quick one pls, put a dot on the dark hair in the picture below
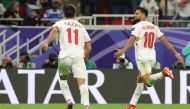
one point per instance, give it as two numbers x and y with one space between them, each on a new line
143 10
69 11
52 57
11 4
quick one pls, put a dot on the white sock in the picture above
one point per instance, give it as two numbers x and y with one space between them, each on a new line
155 77
66 91
137 93
84 94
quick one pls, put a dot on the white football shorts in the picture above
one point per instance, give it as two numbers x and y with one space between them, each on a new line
75 65
145 66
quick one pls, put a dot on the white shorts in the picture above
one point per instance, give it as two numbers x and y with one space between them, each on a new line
75 65
145 66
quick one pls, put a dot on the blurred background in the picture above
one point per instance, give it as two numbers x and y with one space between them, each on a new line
24 25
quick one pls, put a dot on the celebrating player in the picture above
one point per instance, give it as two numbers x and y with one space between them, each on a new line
75 47
143 36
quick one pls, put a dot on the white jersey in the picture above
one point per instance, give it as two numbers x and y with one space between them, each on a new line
72 38
146 34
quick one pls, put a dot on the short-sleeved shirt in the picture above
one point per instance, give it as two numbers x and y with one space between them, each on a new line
146 34
72 38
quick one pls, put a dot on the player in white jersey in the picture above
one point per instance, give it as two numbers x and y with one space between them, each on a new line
143 37
75 47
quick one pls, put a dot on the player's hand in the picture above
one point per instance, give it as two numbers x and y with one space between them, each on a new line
45 46
179 58
119 52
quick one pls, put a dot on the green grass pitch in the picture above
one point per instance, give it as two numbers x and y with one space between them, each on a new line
94 106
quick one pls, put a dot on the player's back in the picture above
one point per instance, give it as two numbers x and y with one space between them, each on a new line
72 38
146 34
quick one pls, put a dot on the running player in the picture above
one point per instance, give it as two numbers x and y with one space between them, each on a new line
75 47
143 37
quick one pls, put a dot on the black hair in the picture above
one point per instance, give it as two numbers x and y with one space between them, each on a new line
69 11
143 10
52 57
11 4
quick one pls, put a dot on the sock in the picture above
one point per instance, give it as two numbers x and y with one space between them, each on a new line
66 91
137 93
155 77
84 94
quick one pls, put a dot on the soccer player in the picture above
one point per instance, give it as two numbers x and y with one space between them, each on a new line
75 47
143 36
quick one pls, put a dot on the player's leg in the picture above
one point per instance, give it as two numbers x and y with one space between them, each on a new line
137 93
158 76
64 69
79 71
151 79
83 92
144 68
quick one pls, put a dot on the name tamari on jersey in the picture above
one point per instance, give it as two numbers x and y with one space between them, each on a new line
146 34
72 38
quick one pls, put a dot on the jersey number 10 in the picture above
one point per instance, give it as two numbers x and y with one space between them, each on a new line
69 30
149 39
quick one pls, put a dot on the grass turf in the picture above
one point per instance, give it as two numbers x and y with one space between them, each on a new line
93 106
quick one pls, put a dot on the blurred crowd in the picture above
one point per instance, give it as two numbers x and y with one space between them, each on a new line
33 10
26 62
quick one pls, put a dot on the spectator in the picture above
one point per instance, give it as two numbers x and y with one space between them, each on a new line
86 7
51 61
151 6
46 4
2 9
183 7
54 13
76 3
22 8
122 63
186 54
7 62
33 20
169 10
90 64
33 5
12 12
102 7
25 61
121 6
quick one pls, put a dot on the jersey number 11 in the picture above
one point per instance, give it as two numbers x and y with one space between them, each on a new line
69 31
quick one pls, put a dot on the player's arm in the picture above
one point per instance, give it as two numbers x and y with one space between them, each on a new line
52 33
170 47
88 49
129 43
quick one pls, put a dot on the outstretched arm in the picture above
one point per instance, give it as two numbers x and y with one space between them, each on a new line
50 37
126 47
167 44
